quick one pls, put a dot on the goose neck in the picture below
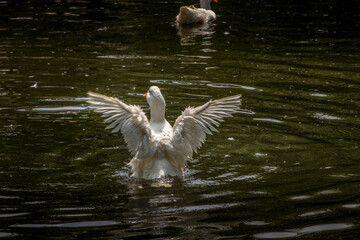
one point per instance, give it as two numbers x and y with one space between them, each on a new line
157 114
205 4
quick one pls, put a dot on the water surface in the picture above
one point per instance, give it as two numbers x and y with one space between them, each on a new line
286 166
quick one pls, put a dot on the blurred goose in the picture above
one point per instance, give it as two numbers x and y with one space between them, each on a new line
193 15
158 148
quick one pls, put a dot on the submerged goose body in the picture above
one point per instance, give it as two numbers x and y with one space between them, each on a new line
193 15
158 148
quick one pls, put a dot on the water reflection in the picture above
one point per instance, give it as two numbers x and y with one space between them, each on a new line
188 33
164 206
151 195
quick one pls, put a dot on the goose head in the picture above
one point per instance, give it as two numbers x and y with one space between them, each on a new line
157 103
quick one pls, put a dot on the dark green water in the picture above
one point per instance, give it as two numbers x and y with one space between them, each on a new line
287 166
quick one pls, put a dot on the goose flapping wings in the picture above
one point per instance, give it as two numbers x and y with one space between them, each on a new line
193 124
129 119
158 149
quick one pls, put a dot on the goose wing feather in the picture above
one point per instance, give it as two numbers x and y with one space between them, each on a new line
191 127
129 119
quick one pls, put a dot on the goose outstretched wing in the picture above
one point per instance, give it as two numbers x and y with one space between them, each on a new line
191 127
129 119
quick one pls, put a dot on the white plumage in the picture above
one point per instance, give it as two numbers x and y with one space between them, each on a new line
158 149
193 15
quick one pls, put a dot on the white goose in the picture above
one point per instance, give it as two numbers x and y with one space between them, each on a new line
158 149
193 15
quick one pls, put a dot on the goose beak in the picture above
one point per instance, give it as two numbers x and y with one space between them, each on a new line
145 95
215 1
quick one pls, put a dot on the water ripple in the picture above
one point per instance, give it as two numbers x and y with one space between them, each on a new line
9 215
351 205
302 197
318 95
170 82
232 85
303 231
256 223
313 213
55 109
324 116
128 57
250 177
200 207
268 120
67 225
7 235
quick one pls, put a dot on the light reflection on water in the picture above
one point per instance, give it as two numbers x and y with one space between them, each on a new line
285 166
303 231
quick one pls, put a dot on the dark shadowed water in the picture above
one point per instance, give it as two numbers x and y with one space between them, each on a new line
286 166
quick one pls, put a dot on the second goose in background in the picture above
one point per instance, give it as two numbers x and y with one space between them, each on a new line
193 15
